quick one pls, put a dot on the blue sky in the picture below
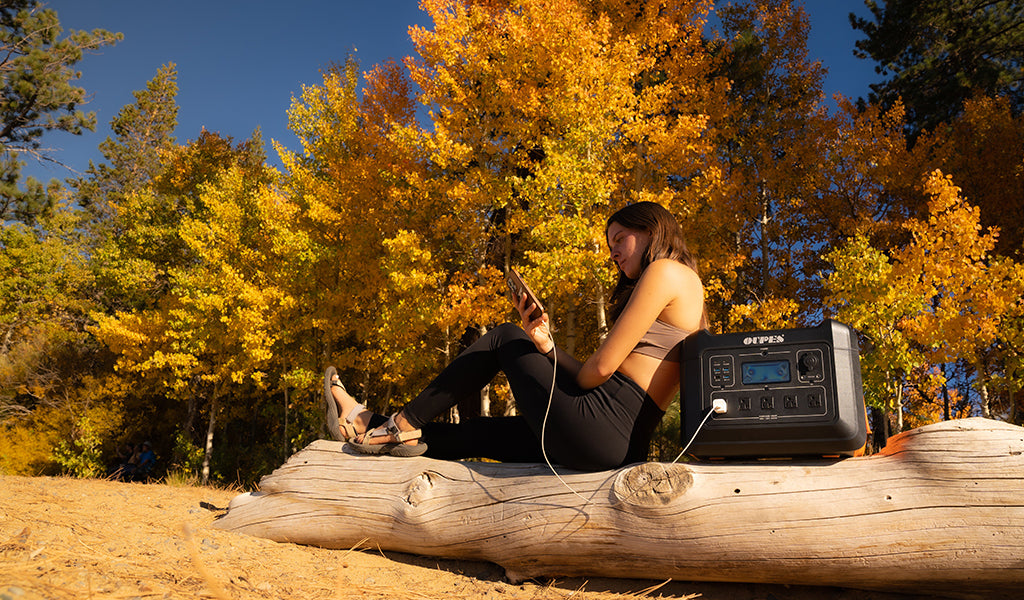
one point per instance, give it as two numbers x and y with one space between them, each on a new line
240 62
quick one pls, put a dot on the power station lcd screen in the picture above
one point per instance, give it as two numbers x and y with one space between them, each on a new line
772 371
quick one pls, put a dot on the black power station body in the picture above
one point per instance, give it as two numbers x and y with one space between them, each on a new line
789 392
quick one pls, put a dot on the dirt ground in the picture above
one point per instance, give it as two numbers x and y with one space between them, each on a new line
74 538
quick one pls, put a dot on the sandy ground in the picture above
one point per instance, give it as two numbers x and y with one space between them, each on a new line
75 538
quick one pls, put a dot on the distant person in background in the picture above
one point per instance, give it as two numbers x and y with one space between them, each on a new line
146 461
125 464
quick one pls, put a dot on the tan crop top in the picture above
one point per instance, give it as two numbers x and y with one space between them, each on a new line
661 341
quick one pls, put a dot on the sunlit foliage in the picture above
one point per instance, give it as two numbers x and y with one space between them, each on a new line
190 293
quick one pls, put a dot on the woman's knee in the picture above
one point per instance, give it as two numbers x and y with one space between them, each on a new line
509 330
505 333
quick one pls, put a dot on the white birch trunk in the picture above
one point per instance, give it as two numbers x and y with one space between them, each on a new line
208 445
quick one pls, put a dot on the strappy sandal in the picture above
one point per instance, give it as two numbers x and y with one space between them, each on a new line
398 447
340 429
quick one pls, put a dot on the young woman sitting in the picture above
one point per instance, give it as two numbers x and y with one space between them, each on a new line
603 410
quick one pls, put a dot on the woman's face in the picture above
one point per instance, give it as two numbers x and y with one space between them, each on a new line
627 248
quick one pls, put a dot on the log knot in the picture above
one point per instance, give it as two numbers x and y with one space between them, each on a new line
419 489
652 484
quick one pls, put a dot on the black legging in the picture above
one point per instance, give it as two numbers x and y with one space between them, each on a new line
593 430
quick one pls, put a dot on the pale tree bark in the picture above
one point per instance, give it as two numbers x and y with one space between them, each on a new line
764 220
899 408
938 511
208 444
485 393
601 311
210 428
983 398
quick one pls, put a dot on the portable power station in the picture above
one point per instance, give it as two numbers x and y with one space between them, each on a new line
789 392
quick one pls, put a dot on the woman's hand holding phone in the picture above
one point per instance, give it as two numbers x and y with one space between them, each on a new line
535 320
535 327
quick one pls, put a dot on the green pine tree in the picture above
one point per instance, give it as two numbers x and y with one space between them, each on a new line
37 96
129 224
938 53
142 132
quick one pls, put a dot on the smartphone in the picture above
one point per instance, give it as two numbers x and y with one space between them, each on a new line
517 287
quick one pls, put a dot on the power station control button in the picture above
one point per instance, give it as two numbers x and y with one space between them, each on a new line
810 365
722 372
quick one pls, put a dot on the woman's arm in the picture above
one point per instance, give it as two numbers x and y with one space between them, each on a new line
567 362
662 283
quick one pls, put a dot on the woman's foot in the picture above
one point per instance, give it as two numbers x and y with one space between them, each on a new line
397 437
383 435
346 418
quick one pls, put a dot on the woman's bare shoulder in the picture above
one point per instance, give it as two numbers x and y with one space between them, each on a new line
680 288
666 270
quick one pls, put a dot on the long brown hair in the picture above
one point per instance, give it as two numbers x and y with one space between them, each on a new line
666 242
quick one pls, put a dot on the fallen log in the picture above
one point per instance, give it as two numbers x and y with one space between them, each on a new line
940 510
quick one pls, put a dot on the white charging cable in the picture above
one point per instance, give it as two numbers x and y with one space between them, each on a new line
718 406
544 423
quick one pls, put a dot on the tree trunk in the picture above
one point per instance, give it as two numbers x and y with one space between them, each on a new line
945 395
208 446
602 314
485 392
939 511
899 409
190 418
286 421
983 398
764 220
879 429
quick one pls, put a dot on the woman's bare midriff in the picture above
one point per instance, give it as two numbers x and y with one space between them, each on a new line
659 377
